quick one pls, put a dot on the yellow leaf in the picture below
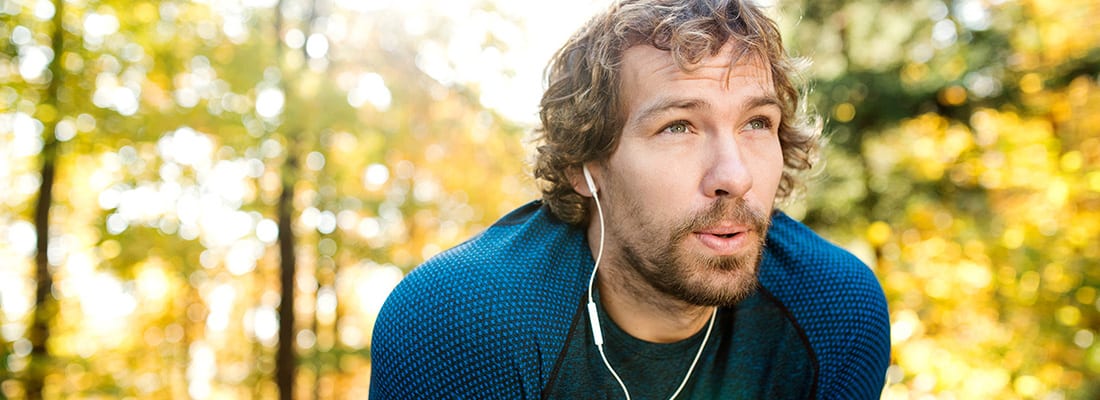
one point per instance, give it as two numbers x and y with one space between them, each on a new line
878 233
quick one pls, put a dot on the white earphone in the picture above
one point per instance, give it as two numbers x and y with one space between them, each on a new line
593 317
597 333
588 179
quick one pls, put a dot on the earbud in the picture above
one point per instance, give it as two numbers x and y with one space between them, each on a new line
588 179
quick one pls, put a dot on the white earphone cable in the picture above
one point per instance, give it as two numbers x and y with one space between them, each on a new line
706 337
596 331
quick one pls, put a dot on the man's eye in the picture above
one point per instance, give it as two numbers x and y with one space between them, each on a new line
676 128
757 124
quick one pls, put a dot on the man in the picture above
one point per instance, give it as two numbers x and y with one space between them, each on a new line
654 266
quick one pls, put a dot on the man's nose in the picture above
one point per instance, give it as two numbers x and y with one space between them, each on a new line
727 171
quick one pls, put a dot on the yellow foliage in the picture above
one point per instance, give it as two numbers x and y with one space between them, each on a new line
46 113
1027 385
1041 179
986 229
1085 295
878 233
844 112
1068 316
1031 83
953 96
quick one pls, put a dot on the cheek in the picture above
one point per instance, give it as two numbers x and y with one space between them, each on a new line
644 189
775 164
659 180
769 171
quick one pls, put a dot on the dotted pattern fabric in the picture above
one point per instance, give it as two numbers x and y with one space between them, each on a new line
489 318
837 301
486 319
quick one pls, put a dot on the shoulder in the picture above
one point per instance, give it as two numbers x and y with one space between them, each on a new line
520 259
473 319
796 256
837 301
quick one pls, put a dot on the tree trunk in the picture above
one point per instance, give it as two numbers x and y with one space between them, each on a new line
285 358
285 362
45 305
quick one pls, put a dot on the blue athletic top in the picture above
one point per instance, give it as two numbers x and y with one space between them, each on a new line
502 316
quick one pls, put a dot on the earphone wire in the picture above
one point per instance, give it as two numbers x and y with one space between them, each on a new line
598 336
591 301
706 337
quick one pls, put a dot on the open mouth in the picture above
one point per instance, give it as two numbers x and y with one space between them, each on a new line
723 242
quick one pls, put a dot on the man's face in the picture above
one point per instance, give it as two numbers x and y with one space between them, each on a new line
689 191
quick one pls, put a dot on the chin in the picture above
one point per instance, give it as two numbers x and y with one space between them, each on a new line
714 281
728 296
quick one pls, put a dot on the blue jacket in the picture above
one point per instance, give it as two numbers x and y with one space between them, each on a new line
491 318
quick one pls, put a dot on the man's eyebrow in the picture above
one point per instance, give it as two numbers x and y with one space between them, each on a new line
762 101
654 110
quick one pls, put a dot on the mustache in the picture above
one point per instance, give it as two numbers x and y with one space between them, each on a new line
725 209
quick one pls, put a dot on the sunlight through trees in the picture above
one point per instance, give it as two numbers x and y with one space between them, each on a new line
172 147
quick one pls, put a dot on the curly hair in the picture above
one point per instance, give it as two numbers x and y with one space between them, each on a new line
580 110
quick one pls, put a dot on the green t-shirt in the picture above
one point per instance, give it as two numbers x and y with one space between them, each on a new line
754 352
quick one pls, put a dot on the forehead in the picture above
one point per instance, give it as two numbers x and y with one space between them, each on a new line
645 66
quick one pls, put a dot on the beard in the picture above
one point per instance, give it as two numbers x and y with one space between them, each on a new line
698 279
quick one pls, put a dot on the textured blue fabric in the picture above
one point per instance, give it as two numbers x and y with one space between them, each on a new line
489 318
839 304
486 319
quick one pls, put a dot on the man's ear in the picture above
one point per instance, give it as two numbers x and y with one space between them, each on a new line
576 179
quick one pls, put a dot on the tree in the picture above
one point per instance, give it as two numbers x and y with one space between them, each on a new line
286 360
45 307
959 163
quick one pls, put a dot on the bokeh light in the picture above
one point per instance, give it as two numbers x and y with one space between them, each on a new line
190 140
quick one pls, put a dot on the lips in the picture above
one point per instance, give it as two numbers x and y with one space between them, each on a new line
725 240
727 231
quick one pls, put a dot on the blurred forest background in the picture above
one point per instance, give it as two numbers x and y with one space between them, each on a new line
175 175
